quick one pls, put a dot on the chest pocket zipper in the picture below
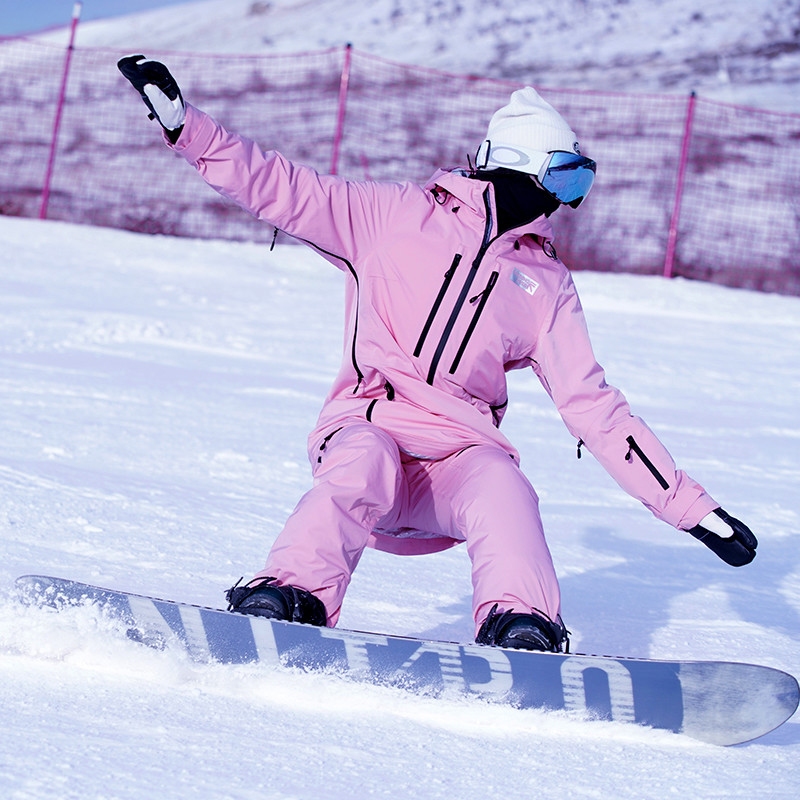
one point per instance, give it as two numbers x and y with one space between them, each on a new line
484 297
448 277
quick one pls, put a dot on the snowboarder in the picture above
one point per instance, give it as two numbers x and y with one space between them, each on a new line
448 286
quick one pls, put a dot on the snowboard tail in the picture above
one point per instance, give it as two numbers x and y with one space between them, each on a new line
719 702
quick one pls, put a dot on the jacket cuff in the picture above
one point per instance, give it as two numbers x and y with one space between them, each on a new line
695 512
196 137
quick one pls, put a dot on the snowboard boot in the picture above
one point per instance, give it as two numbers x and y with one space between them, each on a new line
267 599
523 632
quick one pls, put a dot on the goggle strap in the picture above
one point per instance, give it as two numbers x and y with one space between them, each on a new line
488 145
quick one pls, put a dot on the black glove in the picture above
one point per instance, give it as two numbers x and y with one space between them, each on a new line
158 90
724 535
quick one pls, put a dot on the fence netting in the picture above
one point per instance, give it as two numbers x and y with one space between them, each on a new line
735 213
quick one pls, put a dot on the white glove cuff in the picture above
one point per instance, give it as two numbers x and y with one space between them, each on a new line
171 113
711 522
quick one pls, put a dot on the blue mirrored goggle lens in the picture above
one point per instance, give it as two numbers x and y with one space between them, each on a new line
569 177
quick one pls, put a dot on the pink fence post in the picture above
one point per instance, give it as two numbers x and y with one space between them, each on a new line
76 14
339 132
672 239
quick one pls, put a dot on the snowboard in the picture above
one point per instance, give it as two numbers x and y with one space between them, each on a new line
719 702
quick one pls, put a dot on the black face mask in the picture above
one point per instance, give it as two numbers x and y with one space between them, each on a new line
519 200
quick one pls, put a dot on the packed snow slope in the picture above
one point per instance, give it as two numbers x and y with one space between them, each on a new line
736 51
155 395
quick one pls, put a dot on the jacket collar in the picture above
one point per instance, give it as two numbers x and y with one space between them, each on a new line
469 191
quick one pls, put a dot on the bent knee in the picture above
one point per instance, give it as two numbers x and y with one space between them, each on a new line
491 472
361 454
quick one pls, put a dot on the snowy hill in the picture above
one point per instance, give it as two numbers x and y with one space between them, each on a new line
155 398
740 51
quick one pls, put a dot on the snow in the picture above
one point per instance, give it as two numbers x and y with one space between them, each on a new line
155 398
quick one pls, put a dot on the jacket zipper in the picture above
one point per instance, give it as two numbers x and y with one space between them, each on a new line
448 277
389 389
484 296
496 412
351 268
462 297
325 443
633 446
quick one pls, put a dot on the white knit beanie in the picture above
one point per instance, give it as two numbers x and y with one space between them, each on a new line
523 132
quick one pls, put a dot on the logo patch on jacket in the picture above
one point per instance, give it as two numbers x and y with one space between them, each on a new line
524 282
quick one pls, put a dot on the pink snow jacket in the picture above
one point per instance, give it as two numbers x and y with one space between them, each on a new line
438 308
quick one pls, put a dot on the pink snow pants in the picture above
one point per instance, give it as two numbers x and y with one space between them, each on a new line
478 496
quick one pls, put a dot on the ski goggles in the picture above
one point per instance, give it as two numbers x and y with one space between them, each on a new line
567 176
